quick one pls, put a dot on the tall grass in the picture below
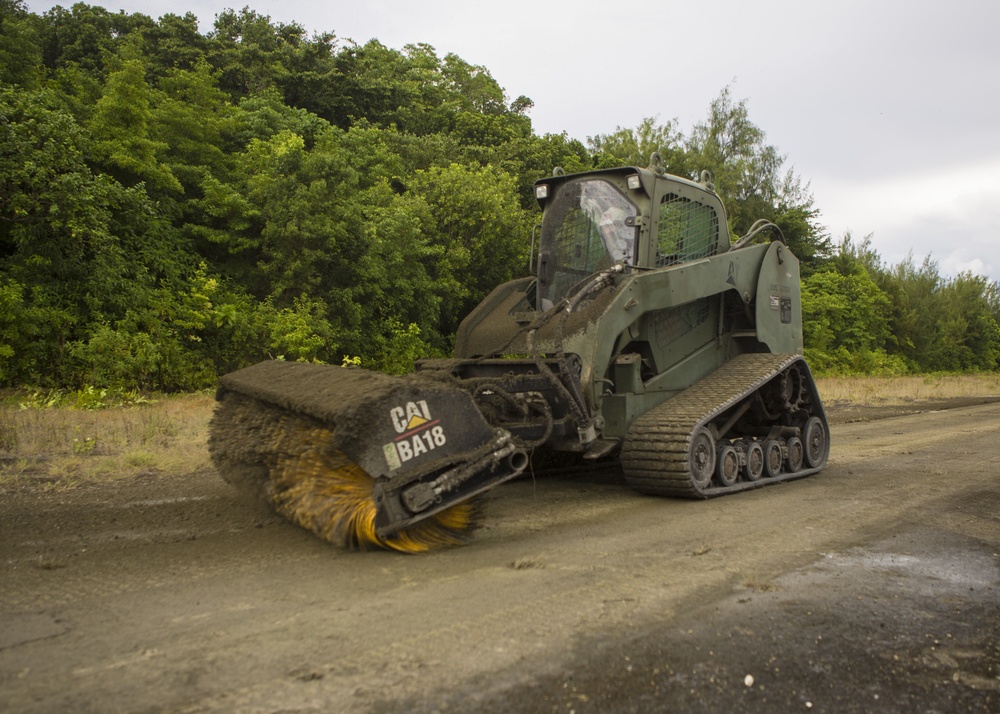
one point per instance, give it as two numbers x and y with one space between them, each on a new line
889 391
54 447
60 446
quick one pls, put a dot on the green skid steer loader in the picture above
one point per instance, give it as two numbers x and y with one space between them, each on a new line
645 334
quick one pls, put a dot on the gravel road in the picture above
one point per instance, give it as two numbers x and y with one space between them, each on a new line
873 586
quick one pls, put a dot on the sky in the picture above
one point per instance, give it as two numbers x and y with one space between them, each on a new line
888 109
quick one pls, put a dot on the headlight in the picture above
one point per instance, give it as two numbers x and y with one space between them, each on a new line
542 191
633 182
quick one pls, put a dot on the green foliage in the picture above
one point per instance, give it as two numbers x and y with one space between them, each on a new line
85 36
748 172
176 205
39 399
943 324
116 357
845 321
264 114
20 50
174 44
12 325
119 128
401 284
195 123
843 362
300 332
848 311
88 398
861 316
250 52
54 219
636 146
483 232
403 347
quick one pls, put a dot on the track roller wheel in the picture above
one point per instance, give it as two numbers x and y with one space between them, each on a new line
795 454
772 458
727 465
754 467
814 437
701 458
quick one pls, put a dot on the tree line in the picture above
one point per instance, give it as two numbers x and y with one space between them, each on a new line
177 204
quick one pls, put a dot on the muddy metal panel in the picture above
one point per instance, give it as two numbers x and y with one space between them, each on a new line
673 313
779 301
386 425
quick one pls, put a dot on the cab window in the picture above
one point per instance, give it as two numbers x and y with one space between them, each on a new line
589 226
687 230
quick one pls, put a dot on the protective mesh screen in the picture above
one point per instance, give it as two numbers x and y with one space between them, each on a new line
687 230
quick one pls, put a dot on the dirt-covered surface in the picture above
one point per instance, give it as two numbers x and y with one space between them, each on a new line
871 587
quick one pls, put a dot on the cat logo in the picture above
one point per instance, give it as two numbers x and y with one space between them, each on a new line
418 433
413 416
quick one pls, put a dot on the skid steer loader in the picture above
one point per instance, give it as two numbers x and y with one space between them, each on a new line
644 335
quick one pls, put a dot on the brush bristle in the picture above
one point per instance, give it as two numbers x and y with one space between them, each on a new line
332 496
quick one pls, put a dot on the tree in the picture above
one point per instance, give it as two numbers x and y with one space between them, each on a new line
635 147
86 36
77 247
484 234
193 126
120 128
748 175
250 54
916 313
943 325
174 43
20 52
969 325
174 205
397 285
533 157
846 315
304 228
746 171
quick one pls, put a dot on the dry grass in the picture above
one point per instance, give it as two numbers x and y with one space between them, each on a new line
888 391
61 447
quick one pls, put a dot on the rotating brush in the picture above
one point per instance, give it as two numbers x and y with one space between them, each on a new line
291 465
323 491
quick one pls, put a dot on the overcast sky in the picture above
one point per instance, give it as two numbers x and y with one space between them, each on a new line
888 108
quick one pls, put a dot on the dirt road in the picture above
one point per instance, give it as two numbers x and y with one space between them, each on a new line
874 586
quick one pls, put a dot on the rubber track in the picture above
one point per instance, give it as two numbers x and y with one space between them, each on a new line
655 453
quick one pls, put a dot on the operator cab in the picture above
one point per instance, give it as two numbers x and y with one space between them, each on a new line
589 224
592 221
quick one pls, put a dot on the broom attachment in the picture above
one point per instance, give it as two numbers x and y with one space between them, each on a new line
361 459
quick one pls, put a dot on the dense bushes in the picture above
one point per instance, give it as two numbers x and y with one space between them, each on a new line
861 315
175 205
